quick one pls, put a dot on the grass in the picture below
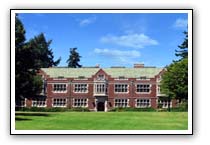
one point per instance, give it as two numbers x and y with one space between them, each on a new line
101 121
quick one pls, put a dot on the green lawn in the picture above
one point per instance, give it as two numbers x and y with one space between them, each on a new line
101 121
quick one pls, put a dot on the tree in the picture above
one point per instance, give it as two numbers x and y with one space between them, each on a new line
27 84
74 58
42 53
183 52
175 80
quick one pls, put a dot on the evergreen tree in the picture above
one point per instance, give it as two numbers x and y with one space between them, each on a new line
27 84
43 55
183 52
175 80
74 58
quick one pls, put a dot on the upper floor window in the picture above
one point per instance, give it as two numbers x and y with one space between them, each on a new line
158 89
159 79
100 77
122 88
80 88
143 88
59 87
100 88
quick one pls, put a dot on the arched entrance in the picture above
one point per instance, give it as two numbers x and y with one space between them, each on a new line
100 106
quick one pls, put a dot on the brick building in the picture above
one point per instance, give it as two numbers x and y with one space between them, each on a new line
100 89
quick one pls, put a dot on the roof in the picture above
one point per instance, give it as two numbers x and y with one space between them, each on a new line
114 72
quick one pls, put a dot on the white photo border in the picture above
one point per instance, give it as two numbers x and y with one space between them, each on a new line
13 131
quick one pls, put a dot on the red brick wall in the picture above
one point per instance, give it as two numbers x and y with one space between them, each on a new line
131 95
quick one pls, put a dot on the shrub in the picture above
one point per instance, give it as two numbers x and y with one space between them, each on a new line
53 109
183 107
80 109
127 109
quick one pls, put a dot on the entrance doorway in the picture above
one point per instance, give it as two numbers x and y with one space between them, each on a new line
100 106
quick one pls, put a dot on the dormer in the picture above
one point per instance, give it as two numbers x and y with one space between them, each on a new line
101 75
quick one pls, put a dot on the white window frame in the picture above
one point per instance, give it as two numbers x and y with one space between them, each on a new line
165 103
80 87
122 91
80 102
101 77
121 103
142 103
60 91
59 101
100 88
39 103
138 92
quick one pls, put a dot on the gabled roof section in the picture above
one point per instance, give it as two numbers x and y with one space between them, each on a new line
113 72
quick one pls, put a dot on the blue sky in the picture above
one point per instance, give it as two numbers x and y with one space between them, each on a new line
110 39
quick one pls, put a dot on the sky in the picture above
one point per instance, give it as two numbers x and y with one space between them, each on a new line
110 39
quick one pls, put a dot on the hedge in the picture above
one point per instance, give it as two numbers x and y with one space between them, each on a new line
54 109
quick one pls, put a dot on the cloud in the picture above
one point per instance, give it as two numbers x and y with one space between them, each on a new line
87 21
181 23
125 57
130 40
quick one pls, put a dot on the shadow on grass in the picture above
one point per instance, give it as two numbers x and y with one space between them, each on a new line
22 119
32 114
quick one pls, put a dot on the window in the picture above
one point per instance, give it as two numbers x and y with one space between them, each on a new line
143 103
22 103
100 88
100 77
121 102
39 103
158 90
59 87
122 88
145 88
80 103
80 88
165 103
59 102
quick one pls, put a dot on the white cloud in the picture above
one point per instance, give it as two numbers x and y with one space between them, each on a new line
125 57
181 23
130 40
87 21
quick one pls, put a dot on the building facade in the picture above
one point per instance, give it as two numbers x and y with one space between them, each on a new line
100 89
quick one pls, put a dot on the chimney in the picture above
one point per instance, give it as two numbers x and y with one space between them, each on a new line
97 66
138 65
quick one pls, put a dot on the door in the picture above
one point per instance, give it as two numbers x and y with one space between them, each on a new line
100 106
